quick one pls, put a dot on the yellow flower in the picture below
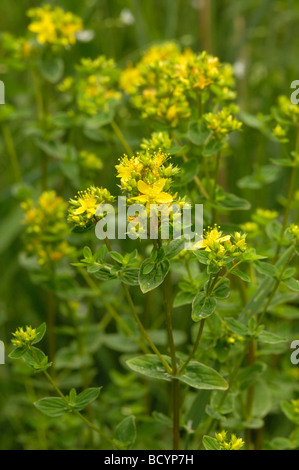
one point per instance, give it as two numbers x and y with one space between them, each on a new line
211 238
153 194
87 203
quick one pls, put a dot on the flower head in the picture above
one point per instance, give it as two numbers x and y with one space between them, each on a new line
24 337
54 26
83 207
233 443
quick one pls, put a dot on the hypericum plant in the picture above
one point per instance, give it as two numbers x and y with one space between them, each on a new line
196 320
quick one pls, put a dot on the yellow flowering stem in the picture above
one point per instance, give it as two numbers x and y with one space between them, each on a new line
81 416
121 138
11 150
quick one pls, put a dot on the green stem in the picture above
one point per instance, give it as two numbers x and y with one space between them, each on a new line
195 347
143 330
121 138
139 323
12 152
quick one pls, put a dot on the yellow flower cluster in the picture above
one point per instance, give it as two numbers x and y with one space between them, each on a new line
95 86
82 210
24 337
145 173
222 123
46 228
233 443
222 246
167 82
54 26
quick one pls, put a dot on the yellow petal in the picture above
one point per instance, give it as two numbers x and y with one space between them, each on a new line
164 198
143 187
158 186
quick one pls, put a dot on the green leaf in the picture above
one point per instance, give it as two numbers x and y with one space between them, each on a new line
150 280
222 291
36 359
125 432
202 377
86 397
210 443
17 352
266 269
292 284
175 247
150 365
202 256
240 274
72 397
40 332
52 406
183 298
232 202
290 412
213 146
87 253
202 307
116 256
237 327
130 276
271 338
